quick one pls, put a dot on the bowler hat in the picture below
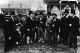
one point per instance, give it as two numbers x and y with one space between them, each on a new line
30 12
41 13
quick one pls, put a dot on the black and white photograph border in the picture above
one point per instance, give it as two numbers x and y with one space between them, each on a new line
39 26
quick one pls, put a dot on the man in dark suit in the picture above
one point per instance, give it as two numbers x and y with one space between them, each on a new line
63 29
73 26
29 27
8 33
55 28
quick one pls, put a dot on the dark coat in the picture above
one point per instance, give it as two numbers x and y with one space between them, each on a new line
63 23
29 23
55 25
75 24
69 21
43 22
36 22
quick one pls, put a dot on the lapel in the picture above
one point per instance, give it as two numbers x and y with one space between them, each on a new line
12 18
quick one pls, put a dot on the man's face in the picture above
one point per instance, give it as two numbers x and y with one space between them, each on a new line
31 15
67 5
53 16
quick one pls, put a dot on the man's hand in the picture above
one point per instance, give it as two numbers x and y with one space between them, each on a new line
53 25
41 22
51 31
36 27
28 29
9 38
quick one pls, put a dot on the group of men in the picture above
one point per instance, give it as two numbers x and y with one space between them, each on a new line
37 27
70 29
22 29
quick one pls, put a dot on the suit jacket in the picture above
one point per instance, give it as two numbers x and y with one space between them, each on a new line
29 23
63 23
55 25
69 23
36 22
43 21
9 28
74 23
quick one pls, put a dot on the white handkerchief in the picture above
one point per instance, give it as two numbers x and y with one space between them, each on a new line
70 24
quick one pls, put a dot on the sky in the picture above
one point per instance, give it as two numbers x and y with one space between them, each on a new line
29 1
34 4
32 1
3 2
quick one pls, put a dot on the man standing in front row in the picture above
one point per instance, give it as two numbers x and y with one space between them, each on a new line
55 28
9 33
29 28
63 29
73 26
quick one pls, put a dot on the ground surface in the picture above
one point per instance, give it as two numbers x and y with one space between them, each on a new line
42 48
39 47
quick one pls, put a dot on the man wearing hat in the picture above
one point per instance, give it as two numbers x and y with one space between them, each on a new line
9 33
72 27
6 35
55 28
42 20
48 27
67 8
29 27
63 28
